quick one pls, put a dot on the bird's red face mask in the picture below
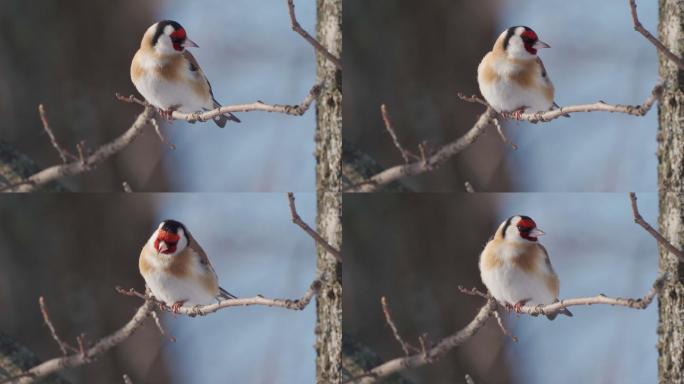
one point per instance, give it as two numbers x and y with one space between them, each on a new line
528 229
166 242
180 40
531 42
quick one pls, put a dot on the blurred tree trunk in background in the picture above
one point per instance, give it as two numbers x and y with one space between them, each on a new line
416 59
73 249
328 187
671 195
417 249
73 57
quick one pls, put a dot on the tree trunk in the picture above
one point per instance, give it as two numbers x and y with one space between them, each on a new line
329 199
670 176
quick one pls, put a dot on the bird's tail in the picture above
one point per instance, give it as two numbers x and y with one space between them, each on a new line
563 311
225 294
221 120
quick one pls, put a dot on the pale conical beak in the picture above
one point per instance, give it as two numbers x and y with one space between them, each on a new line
190 44
540 44
163 246
536 232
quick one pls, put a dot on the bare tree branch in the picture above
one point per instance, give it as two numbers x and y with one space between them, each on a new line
660 46
295 110
486 119
434 353
397 172
88 354
318 238
88 163
318 46
201 310
645 225
635 110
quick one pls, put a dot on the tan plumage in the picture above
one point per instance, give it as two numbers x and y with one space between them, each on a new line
516 269
512 78
176 268
169 77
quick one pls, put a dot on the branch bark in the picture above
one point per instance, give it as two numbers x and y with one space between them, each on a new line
88 163
670 153
486 119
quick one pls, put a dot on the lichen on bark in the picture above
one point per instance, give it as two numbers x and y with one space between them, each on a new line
670 154
328 187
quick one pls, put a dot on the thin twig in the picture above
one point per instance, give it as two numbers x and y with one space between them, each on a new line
505 331
318 46
645 225
659 46
63 346
157 322
502 135
390 129
157 129
319 240
63 153
388 317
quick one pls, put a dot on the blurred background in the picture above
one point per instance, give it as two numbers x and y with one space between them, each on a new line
416 57
74 57
74 249
416 249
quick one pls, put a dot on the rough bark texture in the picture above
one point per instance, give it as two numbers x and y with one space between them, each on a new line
359 359
15 167
16 359
670 177
328 187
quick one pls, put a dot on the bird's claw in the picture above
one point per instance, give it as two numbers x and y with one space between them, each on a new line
517 307
176 306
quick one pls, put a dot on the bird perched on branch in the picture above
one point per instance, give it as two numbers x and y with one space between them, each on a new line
512 78
177 270
169 77
516 269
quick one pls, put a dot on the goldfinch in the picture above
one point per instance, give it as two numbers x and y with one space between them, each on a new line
177 270
169 77
512 78
516 269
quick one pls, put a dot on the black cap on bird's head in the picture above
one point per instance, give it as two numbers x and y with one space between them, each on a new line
521 42
169 36
169 234
521 227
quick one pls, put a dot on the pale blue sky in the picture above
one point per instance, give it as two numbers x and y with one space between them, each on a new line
255 249
249 52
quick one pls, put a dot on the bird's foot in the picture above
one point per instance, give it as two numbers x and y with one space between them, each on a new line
167 113
517 307
517 114
177 305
